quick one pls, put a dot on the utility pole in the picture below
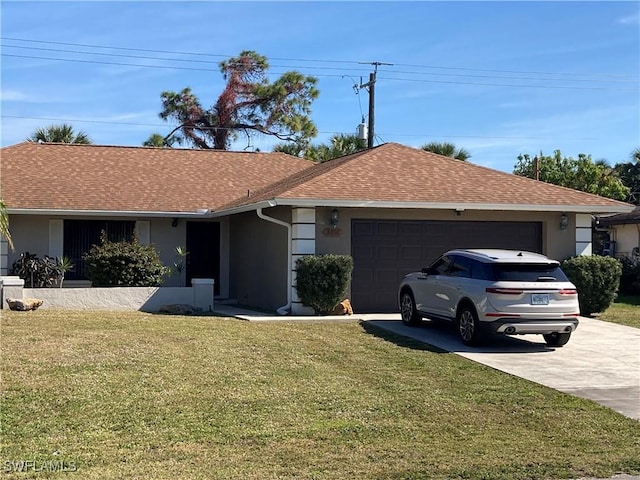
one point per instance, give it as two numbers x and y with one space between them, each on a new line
371 88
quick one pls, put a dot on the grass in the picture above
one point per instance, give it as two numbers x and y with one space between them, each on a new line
625 311
132 395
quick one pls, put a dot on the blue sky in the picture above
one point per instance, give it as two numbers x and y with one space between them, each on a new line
497 78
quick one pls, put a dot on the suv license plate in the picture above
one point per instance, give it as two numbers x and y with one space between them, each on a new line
539 299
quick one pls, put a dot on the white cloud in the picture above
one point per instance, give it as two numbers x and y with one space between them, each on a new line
17 96
633 19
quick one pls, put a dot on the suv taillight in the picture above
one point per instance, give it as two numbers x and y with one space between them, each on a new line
505 291
568 291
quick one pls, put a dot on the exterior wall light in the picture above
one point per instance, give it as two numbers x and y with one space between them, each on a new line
335 217
564 221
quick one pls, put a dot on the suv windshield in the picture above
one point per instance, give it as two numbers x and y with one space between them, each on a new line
528 273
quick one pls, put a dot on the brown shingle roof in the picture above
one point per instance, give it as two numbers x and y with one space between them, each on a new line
92 177
396 173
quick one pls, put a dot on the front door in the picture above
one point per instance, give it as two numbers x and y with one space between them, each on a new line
203 247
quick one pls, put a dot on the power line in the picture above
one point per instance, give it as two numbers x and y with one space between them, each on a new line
75 60
574 75
387 134
144 57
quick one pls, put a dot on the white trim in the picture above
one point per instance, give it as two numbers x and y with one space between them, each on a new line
143 231
56 238
583 235
584 248
587 209
109 213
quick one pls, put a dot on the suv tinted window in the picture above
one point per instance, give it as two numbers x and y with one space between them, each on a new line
461 266
440 267
482 271
528 273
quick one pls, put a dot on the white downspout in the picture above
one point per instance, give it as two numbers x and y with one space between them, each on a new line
284 310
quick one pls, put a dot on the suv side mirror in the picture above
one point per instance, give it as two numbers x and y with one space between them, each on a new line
425 270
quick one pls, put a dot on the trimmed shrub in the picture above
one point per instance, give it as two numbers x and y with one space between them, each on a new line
323 280
597 280
630 279
124 264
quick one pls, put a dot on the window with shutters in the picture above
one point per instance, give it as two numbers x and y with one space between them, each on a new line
80 235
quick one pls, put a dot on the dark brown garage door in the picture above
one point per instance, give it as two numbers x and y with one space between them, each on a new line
385 250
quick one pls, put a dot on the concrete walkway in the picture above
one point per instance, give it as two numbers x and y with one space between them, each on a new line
601 362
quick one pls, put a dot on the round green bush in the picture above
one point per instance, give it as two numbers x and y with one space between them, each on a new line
322 280
124 264
597 280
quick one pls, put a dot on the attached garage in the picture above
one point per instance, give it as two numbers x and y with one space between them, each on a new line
385 250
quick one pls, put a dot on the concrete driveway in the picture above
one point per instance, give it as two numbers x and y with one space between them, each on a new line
601 362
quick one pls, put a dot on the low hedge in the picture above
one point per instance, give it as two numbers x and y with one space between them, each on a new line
597 280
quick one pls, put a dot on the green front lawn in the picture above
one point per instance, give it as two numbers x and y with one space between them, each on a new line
625 311
132 395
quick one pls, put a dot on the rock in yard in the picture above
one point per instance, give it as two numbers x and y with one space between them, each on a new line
23 305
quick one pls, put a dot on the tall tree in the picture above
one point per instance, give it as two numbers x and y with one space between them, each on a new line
448 150
62 133
629 173
580 174
249 103
339 145
4 223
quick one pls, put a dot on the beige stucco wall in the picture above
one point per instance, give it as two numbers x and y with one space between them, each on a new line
258 254
556 243
31 234
627 237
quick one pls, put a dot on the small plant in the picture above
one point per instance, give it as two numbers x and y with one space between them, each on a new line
40 272
597 280
323 280
124 264
178 265
64 265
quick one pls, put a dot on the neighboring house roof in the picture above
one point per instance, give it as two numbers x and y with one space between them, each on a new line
632 217
68 177
393 175
134 179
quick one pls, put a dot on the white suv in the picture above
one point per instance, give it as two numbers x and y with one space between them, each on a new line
496 291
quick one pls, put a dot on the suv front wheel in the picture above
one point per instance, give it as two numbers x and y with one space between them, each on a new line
408 309
467 323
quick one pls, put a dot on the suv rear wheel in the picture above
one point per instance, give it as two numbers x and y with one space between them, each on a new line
408 309
556 339
467 323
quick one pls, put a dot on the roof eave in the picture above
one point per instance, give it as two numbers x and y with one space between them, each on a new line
458 206
206 213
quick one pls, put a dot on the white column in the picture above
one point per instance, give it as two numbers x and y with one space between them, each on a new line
143 232
583 234
303 242
56 238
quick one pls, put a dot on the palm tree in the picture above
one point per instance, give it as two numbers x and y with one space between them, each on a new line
4 224
448 150
62 133
339 145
